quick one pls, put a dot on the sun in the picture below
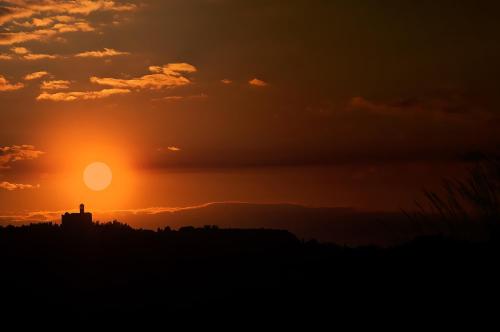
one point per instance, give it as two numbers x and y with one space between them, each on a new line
97 176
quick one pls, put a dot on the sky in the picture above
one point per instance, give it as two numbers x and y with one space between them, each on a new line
312 102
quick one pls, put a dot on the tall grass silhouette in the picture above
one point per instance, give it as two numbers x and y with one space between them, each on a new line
463 208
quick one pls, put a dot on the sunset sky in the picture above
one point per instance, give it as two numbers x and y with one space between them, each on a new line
314 102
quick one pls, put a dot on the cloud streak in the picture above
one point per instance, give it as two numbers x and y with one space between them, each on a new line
81 95
33 57
257 82
12 38
169 149
35 75
55 85
167 76
200 96
17 186
107 52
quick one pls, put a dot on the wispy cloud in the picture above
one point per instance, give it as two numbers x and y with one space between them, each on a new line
11 10
26 54
170 98
33 57
226 81
169 149
5 85
64 18
181 98
257 82
73 27
42 22
107 52
55 85
17 186
35 75
5 56
14 153
81 95
167 76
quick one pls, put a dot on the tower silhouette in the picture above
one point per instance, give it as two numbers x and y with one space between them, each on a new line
77 220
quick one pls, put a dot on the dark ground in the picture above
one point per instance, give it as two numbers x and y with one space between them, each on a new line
117 273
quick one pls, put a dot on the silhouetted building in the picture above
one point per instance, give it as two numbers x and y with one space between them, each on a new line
81 219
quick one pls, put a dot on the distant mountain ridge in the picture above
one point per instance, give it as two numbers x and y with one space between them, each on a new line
337 224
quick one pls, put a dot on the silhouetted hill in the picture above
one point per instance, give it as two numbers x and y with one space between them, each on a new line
112 271
336 225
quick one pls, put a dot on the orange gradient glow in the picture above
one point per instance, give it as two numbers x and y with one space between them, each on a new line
73 148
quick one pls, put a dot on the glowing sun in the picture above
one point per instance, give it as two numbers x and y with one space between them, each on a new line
97 176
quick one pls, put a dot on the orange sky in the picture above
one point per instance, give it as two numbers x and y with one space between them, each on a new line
323 103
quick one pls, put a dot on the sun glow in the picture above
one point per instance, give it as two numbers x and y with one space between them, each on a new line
97 176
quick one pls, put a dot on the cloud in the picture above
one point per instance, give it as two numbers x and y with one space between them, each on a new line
11 38
42 22
171 98
86 95
10 154
17 186
169 149
174 68
27 55
35 75
33 57
64 18
181 98
168 76
20 50
107 52
5 85
73 27
18 9
5 56
257 82
55 85
226 81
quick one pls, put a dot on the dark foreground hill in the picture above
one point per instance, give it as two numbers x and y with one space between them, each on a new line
117 273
